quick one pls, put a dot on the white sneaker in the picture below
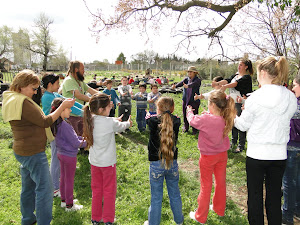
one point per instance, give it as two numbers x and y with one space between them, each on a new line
74 208
192 216
146 222
211 207
56 193
64 205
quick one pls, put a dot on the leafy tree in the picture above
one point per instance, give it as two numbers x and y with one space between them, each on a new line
122 58
5 40
59 61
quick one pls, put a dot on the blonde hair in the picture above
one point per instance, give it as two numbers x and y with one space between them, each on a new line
227 109
277 69
97 101
167 142
23 79
72 66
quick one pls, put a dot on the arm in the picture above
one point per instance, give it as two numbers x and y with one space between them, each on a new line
180 84
245 120
92 91
80 96
231 85
195 121
71 136
195 83
121 126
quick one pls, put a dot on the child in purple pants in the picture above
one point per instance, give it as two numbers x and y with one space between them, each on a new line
67 144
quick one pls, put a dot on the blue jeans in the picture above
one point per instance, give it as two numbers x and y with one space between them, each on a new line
157 175
54 166
37 191
291 186
140 119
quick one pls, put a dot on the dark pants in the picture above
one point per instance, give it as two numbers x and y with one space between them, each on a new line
272 172
237 134
126 111
112 113
140 119
77 124
195 106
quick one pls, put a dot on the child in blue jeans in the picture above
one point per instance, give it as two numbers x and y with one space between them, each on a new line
67 144
141 106
162 154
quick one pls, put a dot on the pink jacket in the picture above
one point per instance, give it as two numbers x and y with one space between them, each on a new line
211 127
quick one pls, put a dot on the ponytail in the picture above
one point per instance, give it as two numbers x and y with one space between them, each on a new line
167 137
97 101
166 140
227 109
278 70
88 126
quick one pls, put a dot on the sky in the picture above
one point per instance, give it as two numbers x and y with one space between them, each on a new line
72 22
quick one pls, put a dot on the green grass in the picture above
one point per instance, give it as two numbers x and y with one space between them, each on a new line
133 193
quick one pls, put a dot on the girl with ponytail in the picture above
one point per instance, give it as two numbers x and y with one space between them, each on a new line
162 154
213 143
99 130
266 118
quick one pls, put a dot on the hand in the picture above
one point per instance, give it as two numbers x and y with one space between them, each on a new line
125 93
196 97
68 103
119 103
151 100
185 86
239 99
112 104
189 108
120 118
130 121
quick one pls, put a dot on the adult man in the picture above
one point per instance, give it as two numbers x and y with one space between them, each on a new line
74 87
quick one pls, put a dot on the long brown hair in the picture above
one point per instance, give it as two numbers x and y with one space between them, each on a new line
227 109
248 63
97 101
167 143
54 105
72 66
277 69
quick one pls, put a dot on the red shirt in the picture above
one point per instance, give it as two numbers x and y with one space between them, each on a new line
158 81
130 81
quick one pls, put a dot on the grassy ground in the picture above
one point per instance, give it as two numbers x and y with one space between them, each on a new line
133 195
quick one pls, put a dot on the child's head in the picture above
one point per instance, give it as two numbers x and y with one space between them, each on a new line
277 70
124 81
50 82
109 84
99 104
154 88
245 65
165 106
218 101
296 85
142 87
64 115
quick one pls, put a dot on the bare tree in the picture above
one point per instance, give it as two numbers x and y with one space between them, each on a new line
266 30
42 42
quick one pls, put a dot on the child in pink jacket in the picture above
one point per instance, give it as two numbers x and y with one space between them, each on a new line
213 143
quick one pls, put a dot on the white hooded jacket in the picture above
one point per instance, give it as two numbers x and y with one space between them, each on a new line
266 118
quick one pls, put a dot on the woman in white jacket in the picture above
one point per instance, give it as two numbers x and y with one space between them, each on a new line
266 118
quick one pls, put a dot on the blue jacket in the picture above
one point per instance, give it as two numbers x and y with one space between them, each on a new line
114 97
47 99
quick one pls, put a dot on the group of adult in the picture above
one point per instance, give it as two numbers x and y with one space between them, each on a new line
30 126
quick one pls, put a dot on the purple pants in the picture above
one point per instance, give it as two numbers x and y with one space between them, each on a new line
67 174
195 106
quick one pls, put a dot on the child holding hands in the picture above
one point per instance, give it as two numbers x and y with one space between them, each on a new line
162 154
67 144
99 131
213 143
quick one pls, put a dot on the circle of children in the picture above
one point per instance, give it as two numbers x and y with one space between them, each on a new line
269 115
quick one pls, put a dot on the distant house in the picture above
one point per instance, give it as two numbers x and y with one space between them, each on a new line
5 64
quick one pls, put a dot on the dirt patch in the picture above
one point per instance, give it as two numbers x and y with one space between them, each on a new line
237 194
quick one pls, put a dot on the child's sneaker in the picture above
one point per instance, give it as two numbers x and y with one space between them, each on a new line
64 205
192 216
56 193
74 208
146 222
